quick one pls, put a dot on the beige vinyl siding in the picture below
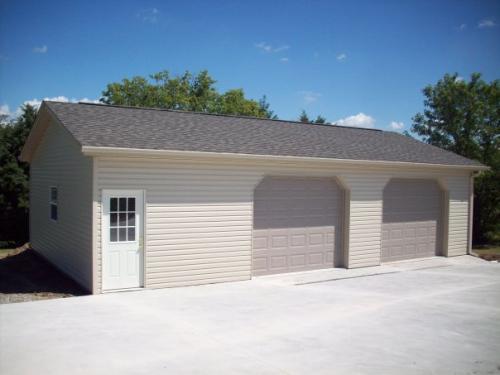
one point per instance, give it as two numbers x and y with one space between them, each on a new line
199 212
67 242
365 226
458 208
198 220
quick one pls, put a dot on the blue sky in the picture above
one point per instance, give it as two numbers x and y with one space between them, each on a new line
358 63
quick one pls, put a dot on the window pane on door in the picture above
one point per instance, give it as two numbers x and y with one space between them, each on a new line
131 204
122 234
114 205
113 234
123 204
123 219
131 219
131 234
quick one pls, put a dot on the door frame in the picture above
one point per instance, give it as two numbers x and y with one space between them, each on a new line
106 194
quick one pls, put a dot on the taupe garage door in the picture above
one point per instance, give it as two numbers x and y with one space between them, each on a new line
296 224
411 225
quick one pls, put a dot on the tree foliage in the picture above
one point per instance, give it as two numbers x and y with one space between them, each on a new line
14 175
186 92
320 120
305 119
464 117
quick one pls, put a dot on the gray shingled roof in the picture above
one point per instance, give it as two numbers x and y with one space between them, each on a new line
147 128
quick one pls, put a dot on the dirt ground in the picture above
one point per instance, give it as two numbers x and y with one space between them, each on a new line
26 276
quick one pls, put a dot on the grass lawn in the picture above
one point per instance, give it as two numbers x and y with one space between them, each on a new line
488 252
4 253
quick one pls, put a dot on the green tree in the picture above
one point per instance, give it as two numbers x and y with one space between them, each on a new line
14 175
265 109
464 117
233 102
186 92
320 120
305 119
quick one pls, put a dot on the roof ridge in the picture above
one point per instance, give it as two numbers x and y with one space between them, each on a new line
215 114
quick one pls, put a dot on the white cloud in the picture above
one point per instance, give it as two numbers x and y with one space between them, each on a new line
284 59
42 49
486 23
149 15
462 26
5 114
281 48
35 102
459 79
264 47
4 110
87 100
309 96
270 49
397 125
341 57
360 121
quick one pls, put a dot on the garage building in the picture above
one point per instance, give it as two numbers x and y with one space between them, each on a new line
127 197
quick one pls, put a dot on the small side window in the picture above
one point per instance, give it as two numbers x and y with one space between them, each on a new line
53 203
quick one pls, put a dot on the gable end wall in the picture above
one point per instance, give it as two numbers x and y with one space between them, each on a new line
67 243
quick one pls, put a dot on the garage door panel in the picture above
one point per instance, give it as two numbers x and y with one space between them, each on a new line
298 240
411 219
259 263
259 243
295 222
278 262
330 238
317 259
410 232
294 218
298 260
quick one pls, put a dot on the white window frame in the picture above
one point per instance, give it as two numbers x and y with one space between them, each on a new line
54 203
126 227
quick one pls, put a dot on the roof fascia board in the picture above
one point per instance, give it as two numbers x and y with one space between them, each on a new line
134 152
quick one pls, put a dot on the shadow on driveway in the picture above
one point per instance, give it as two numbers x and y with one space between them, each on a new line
26 276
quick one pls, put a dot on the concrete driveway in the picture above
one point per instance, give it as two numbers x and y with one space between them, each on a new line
438 316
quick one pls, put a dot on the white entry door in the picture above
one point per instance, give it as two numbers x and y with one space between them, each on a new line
122 259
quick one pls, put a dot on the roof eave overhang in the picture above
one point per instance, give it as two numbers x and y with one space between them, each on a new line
135 152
